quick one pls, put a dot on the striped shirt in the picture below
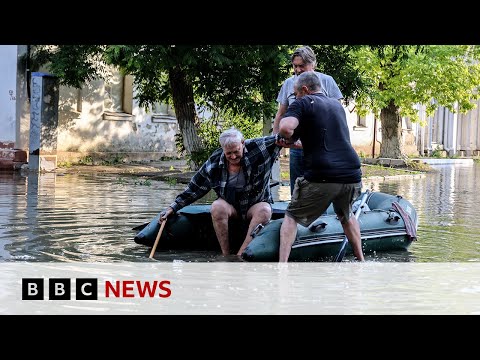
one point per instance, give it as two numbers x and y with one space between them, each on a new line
259 155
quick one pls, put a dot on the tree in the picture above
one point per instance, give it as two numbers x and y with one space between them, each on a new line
402 76
241 80
338 62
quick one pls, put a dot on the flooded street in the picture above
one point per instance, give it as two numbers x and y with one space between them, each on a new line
83 217
79 225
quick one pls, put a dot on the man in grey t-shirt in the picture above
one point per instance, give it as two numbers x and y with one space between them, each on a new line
303 59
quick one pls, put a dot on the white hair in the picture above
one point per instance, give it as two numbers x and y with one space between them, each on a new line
230 136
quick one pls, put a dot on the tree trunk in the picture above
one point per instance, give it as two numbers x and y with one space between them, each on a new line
267 124
187 117
391 123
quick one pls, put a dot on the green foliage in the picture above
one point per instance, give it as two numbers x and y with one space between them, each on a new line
112 161
64 164
86 160
210 130
338 61
172 181
144 182
431 75
72 64
241 80
149 65
285 175
437 153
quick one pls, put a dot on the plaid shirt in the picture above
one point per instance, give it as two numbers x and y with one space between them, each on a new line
258 157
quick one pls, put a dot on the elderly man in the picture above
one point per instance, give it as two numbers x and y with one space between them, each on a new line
332 167
239 173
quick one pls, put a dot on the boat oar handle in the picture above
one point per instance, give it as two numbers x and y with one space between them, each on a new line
257 229
157 239
343 247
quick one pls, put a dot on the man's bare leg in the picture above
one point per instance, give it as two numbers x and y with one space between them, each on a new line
260 213
221 211
288 232
352 231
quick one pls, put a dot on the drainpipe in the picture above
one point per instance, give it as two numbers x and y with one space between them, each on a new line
451 133
28 73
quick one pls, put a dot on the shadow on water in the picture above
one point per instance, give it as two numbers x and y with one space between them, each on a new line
88 217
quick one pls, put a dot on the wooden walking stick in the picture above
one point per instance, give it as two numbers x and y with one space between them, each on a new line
158 238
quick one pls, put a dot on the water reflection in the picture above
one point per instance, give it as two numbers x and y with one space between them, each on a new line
88 217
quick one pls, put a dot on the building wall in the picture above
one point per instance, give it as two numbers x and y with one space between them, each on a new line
22 131
90 124
8 66
101 120
450 133
468 132
361 132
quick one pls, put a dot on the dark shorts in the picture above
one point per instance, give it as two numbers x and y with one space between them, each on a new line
310 200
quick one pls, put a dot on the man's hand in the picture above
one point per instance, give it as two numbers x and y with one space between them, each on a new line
288 143
164 214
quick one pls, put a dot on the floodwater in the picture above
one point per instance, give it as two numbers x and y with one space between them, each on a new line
82 217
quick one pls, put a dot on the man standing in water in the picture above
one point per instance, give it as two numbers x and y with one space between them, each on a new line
332 167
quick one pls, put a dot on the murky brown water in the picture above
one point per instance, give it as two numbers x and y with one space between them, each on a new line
88 217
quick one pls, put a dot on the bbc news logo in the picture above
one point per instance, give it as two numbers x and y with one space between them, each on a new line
59 289
87 289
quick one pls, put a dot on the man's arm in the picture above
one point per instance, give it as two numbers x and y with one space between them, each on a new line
198 187
282 109
287 127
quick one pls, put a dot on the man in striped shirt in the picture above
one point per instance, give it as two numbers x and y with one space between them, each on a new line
239 173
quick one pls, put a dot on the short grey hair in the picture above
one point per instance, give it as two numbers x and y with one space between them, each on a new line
306 54
308 79
230 136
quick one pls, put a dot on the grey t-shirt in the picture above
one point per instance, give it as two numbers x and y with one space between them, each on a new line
329 88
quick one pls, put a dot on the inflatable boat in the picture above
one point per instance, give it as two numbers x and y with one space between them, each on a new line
387 222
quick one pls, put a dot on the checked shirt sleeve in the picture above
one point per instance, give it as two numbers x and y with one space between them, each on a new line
198 187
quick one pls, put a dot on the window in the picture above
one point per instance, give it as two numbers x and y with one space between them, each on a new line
118 101
163 113
408 123
361 121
